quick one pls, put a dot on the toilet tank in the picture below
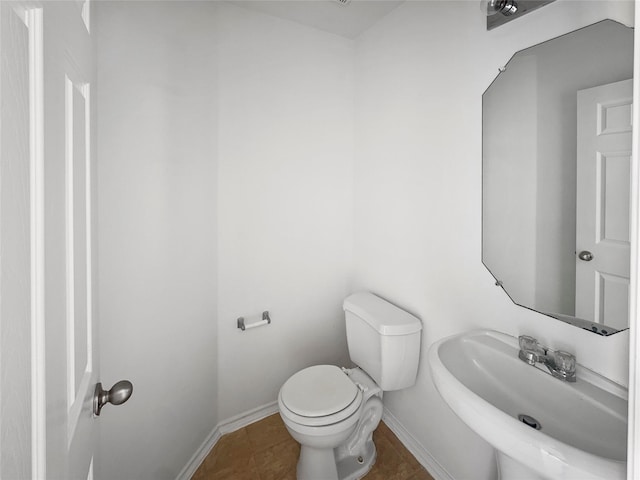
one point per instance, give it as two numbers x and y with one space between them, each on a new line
383 340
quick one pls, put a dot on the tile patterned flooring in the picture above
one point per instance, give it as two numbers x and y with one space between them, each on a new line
265 451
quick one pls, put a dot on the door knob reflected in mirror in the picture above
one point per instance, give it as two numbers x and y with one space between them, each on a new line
586 256
118 394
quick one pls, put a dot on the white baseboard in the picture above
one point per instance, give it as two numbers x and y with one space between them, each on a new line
227 426
198 457
415 447
247 418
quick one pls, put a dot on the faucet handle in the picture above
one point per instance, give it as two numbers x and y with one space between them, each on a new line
528 344
528 357
565 363
529 349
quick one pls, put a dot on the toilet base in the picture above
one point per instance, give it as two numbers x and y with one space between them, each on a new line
356 456
316 464
321 464
354 468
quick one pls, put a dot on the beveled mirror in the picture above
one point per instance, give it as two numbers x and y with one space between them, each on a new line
556 158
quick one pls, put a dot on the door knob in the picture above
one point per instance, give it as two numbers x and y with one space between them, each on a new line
118 394
586 256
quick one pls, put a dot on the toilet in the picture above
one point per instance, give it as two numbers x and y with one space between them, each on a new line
332 411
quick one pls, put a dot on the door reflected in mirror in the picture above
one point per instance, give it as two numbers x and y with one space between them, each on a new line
556 177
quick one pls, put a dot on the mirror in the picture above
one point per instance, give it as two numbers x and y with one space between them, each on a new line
556 159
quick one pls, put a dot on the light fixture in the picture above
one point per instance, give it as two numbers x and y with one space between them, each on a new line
505 7
509 10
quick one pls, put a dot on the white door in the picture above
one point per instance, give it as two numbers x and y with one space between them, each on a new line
72 370
602 212
48 339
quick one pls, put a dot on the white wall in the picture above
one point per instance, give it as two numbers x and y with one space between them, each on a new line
284 201
225 150
420 75
157 233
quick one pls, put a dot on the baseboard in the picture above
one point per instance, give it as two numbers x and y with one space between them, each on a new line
198 457
415 447
226 426
247 418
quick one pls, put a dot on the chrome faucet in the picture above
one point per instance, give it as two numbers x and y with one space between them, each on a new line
560 364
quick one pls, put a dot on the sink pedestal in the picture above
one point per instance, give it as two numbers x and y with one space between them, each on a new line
510 469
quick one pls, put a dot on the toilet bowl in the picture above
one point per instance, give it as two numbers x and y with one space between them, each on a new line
331 411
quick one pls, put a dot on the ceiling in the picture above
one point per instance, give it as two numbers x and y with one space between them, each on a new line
329 15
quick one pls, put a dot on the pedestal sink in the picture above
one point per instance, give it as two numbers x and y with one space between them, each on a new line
541 427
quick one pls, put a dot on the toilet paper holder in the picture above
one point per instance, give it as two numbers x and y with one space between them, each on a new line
266 320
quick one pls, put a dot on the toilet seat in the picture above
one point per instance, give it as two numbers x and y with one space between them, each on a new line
319 395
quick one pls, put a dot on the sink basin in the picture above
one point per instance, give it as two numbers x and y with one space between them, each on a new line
583 425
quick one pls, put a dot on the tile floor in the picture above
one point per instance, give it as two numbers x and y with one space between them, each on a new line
265 451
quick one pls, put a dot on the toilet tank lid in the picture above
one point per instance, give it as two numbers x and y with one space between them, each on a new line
383 316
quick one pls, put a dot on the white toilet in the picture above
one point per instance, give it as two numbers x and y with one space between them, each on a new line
331 411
